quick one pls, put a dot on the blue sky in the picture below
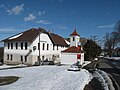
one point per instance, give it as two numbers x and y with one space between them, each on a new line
89 17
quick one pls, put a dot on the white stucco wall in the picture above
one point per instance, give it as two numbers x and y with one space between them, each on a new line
71 58
48 54
16 53
33 56
75 42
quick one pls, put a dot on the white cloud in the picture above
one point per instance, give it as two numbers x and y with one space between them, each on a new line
106 26
72 12
61 27
8 30
43 22
16 10
30 17
41 13
2 5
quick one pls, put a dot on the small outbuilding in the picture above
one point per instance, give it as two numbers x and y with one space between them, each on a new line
75 52
72 55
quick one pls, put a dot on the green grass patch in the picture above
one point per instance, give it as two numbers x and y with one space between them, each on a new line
8 80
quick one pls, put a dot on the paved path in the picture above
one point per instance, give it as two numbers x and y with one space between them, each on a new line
109 66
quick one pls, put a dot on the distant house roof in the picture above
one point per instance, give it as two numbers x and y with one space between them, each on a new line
30 36
73 49
74 33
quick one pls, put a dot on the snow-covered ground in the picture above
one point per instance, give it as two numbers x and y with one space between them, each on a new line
86 63
47 78
11 66
22 65
114 58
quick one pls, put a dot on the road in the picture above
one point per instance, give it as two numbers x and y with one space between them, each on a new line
112 67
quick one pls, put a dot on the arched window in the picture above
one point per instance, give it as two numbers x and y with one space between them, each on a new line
73 38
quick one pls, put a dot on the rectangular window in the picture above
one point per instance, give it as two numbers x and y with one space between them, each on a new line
57 47
43 46
25 58
53 47
22 59
43 58
4 44
11 45
38 46
47 46
25 45
39 58
7 56
21 45
16 45
8 45
11 57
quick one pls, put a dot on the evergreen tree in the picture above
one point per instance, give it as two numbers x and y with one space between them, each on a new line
92 50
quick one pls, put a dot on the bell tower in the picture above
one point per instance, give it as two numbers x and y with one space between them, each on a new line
74 39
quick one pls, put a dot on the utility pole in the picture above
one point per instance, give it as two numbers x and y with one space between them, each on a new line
39 47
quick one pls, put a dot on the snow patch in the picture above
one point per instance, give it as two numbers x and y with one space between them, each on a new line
16 36
11 66
86 63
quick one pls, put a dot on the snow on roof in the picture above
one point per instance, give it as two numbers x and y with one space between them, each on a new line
16 36
67 42
46 78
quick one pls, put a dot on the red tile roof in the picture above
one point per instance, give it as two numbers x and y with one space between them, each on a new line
74 33
73 49
30 36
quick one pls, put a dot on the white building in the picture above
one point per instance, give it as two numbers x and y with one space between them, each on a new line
25 48
75 52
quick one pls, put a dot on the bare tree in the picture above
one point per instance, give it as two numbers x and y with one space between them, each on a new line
108 44
97 40
117 33
94 38
112 40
